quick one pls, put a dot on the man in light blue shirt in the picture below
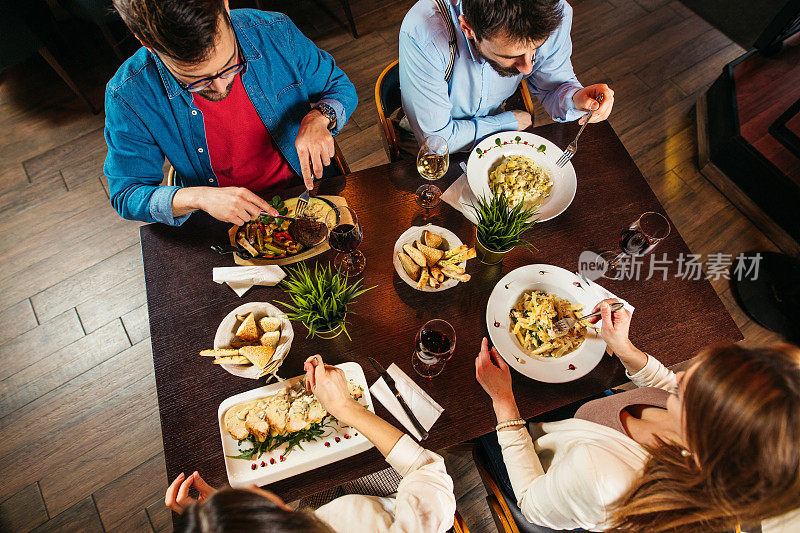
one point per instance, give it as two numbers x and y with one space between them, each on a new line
498 44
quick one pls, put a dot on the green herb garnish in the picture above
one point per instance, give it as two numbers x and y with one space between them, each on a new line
295 439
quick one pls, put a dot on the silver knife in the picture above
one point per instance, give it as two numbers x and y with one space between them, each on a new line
393 387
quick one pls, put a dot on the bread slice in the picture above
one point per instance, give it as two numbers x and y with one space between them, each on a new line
234 424
271 339
434 240
436 273
455 251
454 274
423 279
415 255
237 343
269 323
432 255
235 360
452 267
224 352
248 330
258 355
433 282
411 268
462 256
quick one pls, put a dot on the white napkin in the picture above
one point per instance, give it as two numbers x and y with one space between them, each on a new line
423 406
241 278
459 195
601 293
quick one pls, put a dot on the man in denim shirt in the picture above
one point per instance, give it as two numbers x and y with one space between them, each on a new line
499 43
239 103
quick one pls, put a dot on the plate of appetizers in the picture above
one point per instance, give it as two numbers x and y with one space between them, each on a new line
521 313
431 259
280 430
252 341
523 167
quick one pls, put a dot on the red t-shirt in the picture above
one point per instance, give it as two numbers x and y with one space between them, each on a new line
243 153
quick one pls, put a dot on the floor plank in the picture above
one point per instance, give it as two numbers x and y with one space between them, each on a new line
24 510
88 283
136 523
160 516
137 324
38 343
133 491
80 517
16 320
41 377
113 302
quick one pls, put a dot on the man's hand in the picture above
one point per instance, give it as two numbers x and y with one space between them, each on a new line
330 387
495 378
524 119
177 497
314 146
598 98
235 205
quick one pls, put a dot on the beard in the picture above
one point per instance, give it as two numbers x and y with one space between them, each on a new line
506 72
214 96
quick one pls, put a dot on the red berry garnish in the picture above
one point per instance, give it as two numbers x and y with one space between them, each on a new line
253 466
337 439
263 463
328 444
272 461
346 436
283 458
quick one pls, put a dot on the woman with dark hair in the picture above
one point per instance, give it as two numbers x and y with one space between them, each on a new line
424 501
704 450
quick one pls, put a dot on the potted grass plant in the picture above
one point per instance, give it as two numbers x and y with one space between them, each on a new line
320 299
500 227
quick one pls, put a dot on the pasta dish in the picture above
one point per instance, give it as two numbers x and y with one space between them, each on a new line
521 179
533 319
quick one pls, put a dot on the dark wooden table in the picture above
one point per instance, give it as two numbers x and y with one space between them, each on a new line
673 319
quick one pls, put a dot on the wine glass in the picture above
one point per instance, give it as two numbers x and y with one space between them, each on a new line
433 161
637 240
433 347
344 236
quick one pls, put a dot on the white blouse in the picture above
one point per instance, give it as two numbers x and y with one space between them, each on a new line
424 501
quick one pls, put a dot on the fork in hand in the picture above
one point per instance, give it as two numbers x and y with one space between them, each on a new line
573 146
302 203
565 324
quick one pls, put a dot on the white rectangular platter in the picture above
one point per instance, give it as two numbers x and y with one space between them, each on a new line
312 455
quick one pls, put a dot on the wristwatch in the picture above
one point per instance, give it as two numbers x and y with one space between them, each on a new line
328 111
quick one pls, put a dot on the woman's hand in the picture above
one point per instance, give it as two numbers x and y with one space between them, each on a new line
177 497
329 386
495 378
615 330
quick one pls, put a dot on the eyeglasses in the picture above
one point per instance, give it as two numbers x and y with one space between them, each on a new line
227 73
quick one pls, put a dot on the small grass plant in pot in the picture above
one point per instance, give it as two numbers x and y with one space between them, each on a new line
500 227
320 299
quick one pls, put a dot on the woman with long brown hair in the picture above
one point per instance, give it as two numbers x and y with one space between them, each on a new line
704 450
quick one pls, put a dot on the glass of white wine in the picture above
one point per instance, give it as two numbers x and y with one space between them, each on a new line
433 161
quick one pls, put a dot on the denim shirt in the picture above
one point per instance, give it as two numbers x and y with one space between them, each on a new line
470 106
149 116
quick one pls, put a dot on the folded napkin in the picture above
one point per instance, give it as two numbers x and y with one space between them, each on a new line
423 406
459 195
241 278
599 293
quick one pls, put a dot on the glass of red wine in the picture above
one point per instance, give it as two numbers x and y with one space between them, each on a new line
638 239
345 236
433 347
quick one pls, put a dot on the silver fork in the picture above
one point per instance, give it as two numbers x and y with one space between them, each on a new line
302 203
573 146
565 324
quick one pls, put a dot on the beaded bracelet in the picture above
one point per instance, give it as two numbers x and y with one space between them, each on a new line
509 423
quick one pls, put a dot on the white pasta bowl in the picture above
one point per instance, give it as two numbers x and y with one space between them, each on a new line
552 280
485 157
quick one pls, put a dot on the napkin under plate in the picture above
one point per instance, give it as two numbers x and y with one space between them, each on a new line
459 196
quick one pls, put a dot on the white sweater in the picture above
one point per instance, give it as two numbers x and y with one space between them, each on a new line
424 502
574 473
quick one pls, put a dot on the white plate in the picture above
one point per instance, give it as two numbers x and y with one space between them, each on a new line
312 455
488 153
553 280
414 233
227 330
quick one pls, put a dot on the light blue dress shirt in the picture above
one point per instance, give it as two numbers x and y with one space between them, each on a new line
469 107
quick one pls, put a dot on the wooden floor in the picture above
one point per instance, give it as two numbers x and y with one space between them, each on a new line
81 442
